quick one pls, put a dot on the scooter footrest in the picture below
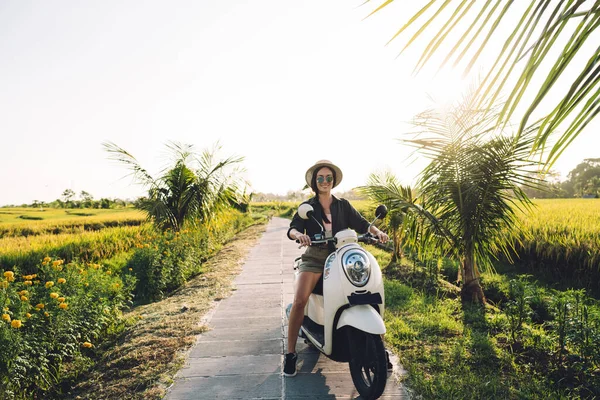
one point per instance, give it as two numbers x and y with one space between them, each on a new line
315 330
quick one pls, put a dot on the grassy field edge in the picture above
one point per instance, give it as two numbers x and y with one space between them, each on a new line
140 363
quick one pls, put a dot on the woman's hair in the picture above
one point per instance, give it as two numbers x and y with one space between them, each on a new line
313 185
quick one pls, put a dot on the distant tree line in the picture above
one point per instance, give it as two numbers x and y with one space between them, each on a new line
583 181
69 199
301 195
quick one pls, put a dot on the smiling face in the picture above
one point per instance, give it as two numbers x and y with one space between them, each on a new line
324 180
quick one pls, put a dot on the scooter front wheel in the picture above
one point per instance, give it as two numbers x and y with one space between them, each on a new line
368 365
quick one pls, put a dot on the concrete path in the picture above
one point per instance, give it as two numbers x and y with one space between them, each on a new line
242 356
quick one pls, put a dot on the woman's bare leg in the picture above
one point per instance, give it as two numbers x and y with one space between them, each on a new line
304 286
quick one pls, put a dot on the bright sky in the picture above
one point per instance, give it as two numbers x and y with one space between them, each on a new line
282 83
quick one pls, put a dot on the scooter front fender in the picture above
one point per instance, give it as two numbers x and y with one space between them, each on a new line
363 317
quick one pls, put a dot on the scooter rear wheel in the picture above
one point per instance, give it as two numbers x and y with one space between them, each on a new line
368 366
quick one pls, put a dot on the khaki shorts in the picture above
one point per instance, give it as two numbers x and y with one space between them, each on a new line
313 259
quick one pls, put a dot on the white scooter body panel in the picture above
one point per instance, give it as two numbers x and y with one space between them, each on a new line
363 317
336 289
314 309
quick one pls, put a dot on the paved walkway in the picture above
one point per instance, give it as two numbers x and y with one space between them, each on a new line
241 357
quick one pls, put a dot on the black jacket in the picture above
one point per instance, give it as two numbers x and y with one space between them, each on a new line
343 216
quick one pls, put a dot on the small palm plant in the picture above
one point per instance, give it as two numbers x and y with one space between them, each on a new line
472 186
192 190
385 189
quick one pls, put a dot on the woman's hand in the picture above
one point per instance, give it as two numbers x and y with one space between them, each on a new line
303 239
381 236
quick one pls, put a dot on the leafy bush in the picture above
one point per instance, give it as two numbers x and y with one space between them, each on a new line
166 260
495 287
51 317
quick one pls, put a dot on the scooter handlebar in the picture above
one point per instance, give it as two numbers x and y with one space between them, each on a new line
315 240
368 238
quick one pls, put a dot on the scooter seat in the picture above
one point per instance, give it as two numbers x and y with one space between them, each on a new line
319 286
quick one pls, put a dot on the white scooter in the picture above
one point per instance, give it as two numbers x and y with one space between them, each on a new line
344 314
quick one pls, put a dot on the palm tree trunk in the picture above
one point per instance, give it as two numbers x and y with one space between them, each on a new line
396 256
471 290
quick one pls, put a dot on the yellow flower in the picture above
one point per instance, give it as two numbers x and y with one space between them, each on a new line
23 292
6 317
27 283
46 314
9 274
80 271
27 277
86 284
59 268
16 323
87 345
24 298
3 284
28 315
61 299
117 285
40 306
131 269
49 284
62 280
63 306
33 276
53 295
55 263
47 259
108 272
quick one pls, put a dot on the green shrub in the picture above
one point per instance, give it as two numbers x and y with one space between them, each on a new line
168 259
540 304
449 270
495 287
51 317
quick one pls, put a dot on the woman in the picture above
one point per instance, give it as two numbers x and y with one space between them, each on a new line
336 215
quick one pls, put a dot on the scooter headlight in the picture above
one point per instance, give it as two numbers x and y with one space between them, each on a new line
357 267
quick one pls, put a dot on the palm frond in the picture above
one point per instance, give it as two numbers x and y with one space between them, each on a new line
527 46
123 157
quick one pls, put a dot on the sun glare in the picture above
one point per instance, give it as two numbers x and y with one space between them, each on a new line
446 86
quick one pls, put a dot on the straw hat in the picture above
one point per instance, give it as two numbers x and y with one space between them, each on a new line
320 164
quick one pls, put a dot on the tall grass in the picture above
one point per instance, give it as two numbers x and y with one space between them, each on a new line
32 221
26 252
561 239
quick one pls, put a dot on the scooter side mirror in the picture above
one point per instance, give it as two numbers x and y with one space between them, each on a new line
305 211
381 211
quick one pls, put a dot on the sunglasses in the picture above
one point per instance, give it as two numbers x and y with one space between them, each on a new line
321 179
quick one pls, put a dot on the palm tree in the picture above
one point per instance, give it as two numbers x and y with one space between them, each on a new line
472 186
192 190
462 29
385 189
